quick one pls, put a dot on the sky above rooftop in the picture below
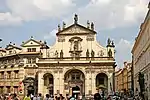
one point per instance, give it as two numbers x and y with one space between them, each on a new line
116 19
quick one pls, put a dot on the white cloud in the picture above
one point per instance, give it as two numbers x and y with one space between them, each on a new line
9 19
108 14
40 9
51 34
123 51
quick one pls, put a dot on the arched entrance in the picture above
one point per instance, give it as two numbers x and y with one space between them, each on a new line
74 82
49 82
102 82
29 85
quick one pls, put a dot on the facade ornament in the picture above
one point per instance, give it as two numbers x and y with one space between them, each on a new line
56 54
113 45
88 24
92 53
108 42
31 37
75 19
61 54
64 25
92 26
87 53
59 29
110 53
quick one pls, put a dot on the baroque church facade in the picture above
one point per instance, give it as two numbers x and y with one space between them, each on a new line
75 64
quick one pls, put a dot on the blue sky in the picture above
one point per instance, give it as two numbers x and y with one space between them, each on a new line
118 19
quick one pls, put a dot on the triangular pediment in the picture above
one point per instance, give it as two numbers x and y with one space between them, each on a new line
31 42
10 47
76 29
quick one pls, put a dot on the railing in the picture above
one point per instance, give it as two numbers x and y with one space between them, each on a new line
78 59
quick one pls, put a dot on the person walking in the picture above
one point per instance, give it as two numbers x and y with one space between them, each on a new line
27 97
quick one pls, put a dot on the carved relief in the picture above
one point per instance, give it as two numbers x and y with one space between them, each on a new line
61 39
100 53
90 38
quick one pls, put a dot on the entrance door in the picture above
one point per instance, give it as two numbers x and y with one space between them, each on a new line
30 90
76 92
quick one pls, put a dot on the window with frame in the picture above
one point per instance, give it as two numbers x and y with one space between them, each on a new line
15 89
1 90
9 74
8 89
2 75
29 60
33 49
16 74
29 49
75 76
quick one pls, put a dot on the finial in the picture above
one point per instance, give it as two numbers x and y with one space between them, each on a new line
31 37
75 18
59 29
14 44
108 42
10 42
88 24
45 42
64 25
92 26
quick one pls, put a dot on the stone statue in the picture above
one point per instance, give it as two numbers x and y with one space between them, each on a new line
64 25
56 54
61 54
92 26
110 53
88 24
75 18
108 41
92 53
87 53
59 29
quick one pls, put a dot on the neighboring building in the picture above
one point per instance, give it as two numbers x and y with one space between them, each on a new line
75 64
141 54
123 78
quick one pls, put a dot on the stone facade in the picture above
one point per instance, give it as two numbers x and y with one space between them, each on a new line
141 55
75 64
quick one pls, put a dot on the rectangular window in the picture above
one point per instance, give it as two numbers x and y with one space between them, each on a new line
33 49
2 75
29 49
8 74
15 89
8 89
33 60
73 77
16 74
29 60
1 90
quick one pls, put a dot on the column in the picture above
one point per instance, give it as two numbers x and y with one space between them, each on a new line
93 83
40 83
87 83
56 83
61 85
110 83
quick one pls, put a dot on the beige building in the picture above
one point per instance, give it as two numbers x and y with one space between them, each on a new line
123 78
75 64
141 54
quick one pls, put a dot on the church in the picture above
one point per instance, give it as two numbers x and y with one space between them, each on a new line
75 65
